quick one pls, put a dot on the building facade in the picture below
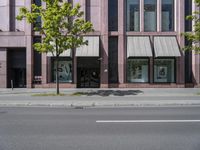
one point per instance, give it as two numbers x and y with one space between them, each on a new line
136 43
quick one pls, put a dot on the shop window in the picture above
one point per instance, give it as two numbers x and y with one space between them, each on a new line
64 68
164 70
167 15
150 17
138 70
133 15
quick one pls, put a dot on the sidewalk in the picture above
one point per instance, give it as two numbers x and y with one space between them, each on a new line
100 97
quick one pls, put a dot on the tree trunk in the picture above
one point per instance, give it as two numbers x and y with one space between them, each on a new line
57 72
57 77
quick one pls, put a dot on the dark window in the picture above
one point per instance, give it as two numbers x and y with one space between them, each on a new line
188 11
167 15
188 64
38 23
37 2
133 15
88 10
150 17
37 59
113 59
113 15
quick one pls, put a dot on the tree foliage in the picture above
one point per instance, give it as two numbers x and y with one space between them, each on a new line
194 36
62 26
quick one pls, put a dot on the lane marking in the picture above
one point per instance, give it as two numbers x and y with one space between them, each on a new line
146 121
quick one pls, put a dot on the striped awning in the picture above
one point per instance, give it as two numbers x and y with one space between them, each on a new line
67 53
90 50
166 46
139 46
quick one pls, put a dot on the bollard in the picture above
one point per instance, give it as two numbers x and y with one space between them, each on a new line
12 84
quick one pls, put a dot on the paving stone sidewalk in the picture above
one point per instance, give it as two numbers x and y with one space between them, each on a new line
100 97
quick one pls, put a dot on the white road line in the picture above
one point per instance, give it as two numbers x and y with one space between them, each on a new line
147 121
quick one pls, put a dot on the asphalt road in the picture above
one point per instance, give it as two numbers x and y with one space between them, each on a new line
159 128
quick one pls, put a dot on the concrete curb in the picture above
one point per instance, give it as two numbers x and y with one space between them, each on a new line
75 104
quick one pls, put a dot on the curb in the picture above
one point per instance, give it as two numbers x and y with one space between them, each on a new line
96 105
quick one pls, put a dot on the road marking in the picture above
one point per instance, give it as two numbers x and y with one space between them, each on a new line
146 121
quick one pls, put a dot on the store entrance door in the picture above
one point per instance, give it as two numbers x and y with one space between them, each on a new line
16 68
19 77
88 73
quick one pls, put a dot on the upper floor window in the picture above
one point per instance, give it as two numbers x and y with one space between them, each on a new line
188 11
133 15
113 15
167 15
38 23
150 17
37 2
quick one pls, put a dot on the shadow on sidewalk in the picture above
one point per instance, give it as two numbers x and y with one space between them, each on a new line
105 93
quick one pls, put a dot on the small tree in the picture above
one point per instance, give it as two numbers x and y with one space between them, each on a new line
61 30
194 36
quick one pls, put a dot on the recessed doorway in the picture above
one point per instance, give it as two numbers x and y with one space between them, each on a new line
16 71
88 73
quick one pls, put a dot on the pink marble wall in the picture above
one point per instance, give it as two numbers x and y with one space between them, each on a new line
121 43
196 61
180 28
93 12
104 44
29 50
5 15
3 67
19 25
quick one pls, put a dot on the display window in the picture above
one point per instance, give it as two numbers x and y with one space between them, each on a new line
137 70
65 71
164 70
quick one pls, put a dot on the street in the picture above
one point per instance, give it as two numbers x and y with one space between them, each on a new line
125 128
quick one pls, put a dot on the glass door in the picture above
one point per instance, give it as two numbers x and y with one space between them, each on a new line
88 75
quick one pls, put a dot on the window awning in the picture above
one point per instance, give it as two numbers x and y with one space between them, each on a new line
166 46
139 46
67 53
90 50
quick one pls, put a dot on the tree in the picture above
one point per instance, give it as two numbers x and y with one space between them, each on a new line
194 36
62 28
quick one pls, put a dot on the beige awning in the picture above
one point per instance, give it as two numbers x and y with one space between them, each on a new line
67 53
90 50
139 46
166 46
